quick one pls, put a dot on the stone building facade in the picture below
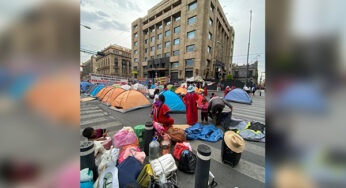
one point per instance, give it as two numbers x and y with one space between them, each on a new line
239 72
116 61
181 39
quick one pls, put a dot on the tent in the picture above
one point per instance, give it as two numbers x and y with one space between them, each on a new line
126 87
169 86
141 88
180 90
129 100
116 85
111 95
200 98
238 95
96 90
84 86
104 91
91 89
173 101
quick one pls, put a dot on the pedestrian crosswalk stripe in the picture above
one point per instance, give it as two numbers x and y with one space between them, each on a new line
244 167
94 120
91 115
83 108
90 112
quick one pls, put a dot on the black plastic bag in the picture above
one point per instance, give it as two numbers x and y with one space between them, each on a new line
187 162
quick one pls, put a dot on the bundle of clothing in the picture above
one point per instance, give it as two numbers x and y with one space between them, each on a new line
204 132
248 130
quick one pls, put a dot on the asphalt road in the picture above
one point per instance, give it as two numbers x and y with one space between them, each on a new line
250 172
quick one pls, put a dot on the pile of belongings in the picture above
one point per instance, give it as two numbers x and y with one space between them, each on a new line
204 132
248 130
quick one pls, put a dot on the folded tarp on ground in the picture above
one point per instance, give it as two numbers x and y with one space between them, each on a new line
204 132
252 131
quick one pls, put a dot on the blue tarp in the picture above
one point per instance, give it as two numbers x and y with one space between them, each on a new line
238 95
173 101
96 90
204 132
84 86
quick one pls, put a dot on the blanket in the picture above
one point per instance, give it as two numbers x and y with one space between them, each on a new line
204 132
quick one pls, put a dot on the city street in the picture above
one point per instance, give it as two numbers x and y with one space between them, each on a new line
249 172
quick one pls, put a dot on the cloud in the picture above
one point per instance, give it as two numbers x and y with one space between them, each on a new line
106 24
102 14
127 4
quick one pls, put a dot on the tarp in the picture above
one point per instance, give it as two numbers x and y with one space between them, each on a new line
238 95
180 90
109 98
251 131
204 132
130 100
173 101
84 86
96 90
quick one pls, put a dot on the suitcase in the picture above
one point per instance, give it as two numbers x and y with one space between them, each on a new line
228 156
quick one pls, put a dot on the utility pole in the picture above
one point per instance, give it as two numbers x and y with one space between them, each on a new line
248 49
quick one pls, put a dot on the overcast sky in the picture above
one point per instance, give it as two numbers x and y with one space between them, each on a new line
110 22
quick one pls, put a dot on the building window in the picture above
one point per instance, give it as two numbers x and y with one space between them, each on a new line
146 50
177 29
167 44
193 5
145 59
207 63
136 35
177 18
151 57
135 27
167 33
167 54
159 46
176 41
210 22
160 26
152 39
209 49
153 29
191 20
146 41
136 59
190 48
188 73
212 7
145 32
210 36
135 68
152 48
176 53
159 56
168 22
136 43
191 34
189 62
159 36
135 52
145 67
175 64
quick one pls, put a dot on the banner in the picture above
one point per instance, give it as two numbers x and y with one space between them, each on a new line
99 78
162 80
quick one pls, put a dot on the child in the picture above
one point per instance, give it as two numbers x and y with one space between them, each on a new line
160 113
95 134
204 110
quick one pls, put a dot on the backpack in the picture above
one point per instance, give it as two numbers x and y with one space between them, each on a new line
187 162
176 134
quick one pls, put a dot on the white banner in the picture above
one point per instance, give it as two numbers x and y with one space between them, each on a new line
99 78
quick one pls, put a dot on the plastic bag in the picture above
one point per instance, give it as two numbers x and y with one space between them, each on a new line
109 158
159 128
136 154
123 138
187 162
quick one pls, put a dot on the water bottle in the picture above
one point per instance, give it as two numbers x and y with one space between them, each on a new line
154 150
165 145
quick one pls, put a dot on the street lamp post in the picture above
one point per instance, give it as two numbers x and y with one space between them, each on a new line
248 49
221 51
85 26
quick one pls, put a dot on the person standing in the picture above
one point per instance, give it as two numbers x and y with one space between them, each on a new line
204 110
190 101
226 90
205 93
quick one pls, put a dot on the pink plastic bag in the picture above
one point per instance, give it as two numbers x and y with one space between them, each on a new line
140 156
159 128
123 138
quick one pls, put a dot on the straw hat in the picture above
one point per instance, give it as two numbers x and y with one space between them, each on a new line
234 141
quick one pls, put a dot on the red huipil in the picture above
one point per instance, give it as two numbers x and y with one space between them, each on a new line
190 101
160 116
205 92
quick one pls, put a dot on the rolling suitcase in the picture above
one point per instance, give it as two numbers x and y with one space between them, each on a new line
228 156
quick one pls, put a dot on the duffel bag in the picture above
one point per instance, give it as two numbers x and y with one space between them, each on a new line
128 171
176 134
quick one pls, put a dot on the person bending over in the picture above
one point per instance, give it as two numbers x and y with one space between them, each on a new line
215 108
95 134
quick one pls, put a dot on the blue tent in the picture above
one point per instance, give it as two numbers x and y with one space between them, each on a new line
173 101
238 95
96 90
84 86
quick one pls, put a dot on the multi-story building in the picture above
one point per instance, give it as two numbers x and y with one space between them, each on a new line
181 39
239 72
88 67
115 61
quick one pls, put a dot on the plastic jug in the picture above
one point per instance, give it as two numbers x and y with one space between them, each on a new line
154 150
165 145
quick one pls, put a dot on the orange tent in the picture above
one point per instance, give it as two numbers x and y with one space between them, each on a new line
180 90
99 93
130 100
111 95
105 91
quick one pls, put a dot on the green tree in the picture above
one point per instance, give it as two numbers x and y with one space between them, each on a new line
229 77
